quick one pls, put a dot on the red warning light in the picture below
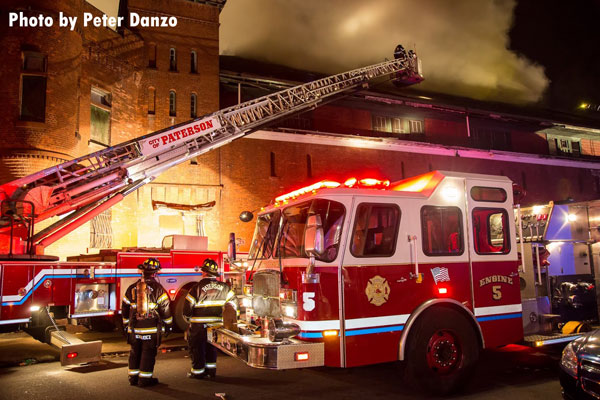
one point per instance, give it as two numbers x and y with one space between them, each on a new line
72 355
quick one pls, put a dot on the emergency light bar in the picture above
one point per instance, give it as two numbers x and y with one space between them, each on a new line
369 183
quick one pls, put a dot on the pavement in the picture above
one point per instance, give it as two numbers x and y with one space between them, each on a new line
20 349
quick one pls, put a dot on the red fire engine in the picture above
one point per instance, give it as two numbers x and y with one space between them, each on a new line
36 289
366 271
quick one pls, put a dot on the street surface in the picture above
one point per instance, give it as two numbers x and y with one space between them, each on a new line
513 372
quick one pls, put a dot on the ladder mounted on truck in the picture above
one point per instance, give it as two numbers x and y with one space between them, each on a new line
84 187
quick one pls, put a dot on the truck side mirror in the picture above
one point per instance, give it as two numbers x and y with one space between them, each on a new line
231 247
313 236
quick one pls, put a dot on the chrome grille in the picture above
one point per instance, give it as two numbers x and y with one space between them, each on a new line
265 294
590 376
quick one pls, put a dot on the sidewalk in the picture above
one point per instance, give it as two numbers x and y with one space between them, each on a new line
20 349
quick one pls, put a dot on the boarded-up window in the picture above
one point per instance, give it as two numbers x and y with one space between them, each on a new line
101 231
151 100
100 117
151 55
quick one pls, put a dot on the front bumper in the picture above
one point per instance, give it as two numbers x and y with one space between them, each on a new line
260 352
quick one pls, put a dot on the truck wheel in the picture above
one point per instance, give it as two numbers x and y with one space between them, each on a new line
178 319
442 350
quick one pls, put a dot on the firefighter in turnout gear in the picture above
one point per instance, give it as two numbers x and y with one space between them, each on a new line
204 309
146 315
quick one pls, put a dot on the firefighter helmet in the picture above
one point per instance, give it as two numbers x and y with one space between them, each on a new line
211 267
150 265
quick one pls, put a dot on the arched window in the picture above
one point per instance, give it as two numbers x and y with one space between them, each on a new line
172 103
172 59
193 62
151 100
193 105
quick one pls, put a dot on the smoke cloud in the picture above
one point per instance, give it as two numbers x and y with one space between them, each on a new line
461 43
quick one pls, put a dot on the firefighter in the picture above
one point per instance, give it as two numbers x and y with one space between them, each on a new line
204 309
146 315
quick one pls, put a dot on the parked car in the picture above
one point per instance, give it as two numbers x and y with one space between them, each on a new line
580 367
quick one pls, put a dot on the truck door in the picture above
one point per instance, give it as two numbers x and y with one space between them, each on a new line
492 242
375 271
17 287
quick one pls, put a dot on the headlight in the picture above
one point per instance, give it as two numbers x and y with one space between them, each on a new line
568 362
290 311
246 302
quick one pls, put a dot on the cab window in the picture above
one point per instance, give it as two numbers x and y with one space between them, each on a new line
375 230
442 231
490 231
294 224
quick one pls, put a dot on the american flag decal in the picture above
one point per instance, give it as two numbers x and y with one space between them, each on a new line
440 274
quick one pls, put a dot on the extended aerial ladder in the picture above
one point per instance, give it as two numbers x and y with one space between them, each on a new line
80 189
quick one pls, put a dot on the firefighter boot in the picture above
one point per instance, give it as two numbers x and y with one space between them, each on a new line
191 375
145 382
133 380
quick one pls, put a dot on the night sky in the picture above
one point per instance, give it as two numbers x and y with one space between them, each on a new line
564 37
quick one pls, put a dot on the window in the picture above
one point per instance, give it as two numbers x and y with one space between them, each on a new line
151 101
263 242
308 166
172 59
375 230
193 105
490 231
382 124
397 125
273 174
294 223
193 62
101 103
416 126
488 138
101 231
481 193
172 104
151 55
442 231
33 87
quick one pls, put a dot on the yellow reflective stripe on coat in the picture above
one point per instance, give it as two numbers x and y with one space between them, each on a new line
168 320
125 320
190 298
126 300
205 319
162 298
210 303
230 295
145 330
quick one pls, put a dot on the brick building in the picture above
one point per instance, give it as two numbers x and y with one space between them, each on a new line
68 93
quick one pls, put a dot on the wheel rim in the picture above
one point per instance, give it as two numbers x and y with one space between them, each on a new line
444 352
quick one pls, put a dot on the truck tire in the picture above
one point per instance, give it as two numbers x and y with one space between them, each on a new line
178 319
442 350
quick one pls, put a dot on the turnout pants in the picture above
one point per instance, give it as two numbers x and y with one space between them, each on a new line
142 356
202 353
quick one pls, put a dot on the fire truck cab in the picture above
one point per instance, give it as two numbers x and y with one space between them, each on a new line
368 271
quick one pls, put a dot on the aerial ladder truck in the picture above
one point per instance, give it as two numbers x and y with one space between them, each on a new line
35 286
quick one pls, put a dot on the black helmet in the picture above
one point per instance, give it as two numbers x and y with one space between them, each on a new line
211 267
151 265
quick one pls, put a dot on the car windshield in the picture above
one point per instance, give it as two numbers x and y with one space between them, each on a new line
294 224
265 233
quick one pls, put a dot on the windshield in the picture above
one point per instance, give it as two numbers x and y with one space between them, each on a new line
265 233
294 223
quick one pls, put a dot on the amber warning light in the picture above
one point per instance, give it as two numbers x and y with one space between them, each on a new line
302 356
